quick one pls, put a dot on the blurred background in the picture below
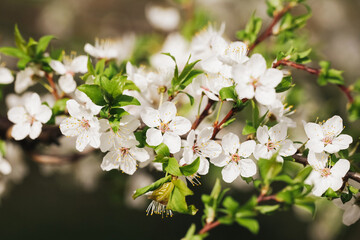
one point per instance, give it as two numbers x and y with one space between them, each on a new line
79 201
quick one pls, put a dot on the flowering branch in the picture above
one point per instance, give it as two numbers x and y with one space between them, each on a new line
204 114
269 30
49 77
284 62
209 226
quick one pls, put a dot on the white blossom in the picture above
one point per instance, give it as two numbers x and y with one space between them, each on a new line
253 79
82 124
5 167
25 78
6 76
118 49
29 118
351 210
323 175
235 159
326 136
165 126
162 18
273 140
67 69
201 147
124 156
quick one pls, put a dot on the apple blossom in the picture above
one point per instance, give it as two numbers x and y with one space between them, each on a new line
254 80
29 118
323 175
201 147
326 136
82 124
67 69
351 210
25 78
235 159
165 126
162 18
273 140
6 76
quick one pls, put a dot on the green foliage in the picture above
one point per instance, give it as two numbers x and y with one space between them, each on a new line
285 84
252 29
228 93
190 235
59 106
192 26
151 187
293 55
177 200
269 168
182 80
329 75
2 148
251 126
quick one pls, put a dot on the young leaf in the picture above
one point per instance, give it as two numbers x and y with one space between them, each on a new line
190 169
43 44
151 187
94 93
251 224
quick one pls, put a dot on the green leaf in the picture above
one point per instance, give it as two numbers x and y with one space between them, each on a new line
329 75
13 52
177 200
251 224
19 40
330 193
269 168
151 187
191 98
162 149
59 106
253 27
303 174
2 148
308 204
172 167
248 128
21 64
228 93
125 100
284 85
99 68
43 43
266 209
94 93
90 67
230 204
190 169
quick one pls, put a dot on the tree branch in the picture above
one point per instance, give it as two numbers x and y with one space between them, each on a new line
269 30
284 62
204 114
209 226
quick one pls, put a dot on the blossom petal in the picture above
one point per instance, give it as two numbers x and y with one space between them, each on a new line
111 161
129 123
94 137
6 76
203 166
230 172
247 167
17 115
256 65
331 148
287 148
82 141
313 131
190 139
265 95
262 134
67 83
230 143
320 186
139 154
150 117
44 114
221 160
241 74
261 151
335 182
351 215
210 149
58 67
245 91
173 142
20 131
333 126
342 141
315 145
205 134
153 137
128 164
271 78
5 167
318 160
340 168
107 141
35 130
278 132
180 125
70 127
33 104
167 112
247 148
79 64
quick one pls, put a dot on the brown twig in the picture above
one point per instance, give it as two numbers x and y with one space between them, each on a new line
269 30
315 71
50 79
204 114
209 226
217 127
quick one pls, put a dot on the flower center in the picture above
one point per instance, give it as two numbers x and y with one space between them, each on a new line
254 82
327 140
85 123
325 172
271 145
124 151
164 127
235 157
